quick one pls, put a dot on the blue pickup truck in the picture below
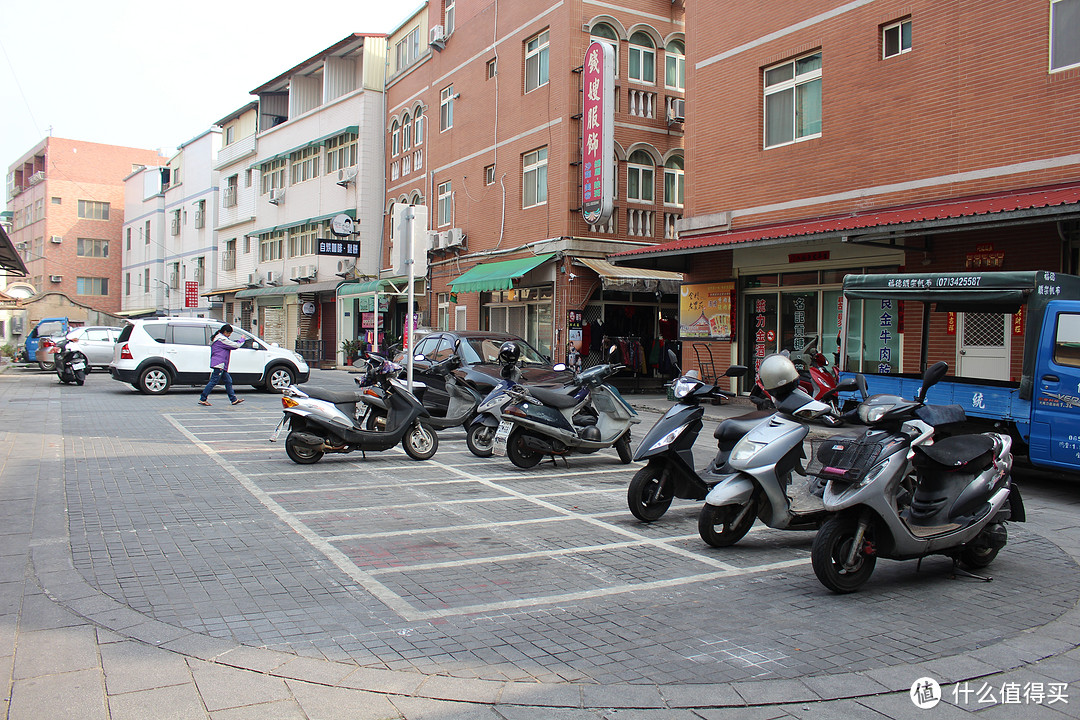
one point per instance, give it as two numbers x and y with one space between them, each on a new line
44 328
1012 340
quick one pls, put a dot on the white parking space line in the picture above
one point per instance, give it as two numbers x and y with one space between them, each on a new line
428 503
458 473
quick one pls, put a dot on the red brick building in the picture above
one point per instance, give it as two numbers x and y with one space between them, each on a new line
485 127
852 137
67 204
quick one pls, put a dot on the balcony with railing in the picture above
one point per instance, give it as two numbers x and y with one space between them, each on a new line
228 198
639 223
235 151
641 103
228 260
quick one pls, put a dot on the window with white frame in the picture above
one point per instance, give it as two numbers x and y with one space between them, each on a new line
489 175
93 210
406 133
444 311
642 58
446 108
448 16
341 152
271 245
272 175
304 164
418 127
674 181
1064 34
603 31
793 100
536 61
303 239
640 176
406 165
675 65
492 68
92 286
146 280
446 204
127 283
896 38
534 177
395 138
461 317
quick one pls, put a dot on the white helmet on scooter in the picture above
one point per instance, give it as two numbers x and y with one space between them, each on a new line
779 376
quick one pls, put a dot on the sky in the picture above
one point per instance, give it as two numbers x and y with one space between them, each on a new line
156 74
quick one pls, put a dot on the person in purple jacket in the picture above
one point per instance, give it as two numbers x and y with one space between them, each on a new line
221 347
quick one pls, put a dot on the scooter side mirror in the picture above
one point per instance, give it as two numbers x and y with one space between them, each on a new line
420 357
864 390
673 361
736 371
931 377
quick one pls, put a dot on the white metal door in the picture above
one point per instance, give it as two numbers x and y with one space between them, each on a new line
984 349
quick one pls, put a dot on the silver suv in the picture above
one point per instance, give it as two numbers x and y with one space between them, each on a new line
153 355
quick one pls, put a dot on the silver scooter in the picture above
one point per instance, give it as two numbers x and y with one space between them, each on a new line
763 467
962 495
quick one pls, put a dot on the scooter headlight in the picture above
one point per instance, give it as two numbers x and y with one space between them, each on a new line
667 439
870 414
684 386
744 450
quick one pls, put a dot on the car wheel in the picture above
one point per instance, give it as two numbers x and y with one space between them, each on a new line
154 380
280 378
47 367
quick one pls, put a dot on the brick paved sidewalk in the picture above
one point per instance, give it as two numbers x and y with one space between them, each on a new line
71 651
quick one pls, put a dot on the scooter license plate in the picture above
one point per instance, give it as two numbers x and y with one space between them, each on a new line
499 446
277 431
78 366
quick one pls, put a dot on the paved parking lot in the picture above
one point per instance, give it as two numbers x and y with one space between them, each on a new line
473 569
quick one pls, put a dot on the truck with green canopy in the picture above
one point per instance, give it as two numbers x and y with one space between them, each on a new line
1012 341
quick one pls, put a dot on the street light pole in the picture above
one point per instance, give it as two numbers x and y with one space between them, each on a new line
410 217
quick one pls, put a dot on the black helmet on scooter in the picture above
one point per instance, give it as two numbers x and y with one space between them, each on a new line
509 352
779 376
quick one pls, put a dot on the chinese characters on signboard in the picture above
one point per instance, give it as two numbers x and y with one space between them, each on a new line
887 336
598 134
343 248
705 311
191 294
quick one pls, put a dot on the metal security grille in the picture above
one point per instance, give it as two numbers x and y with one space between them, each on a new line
984 330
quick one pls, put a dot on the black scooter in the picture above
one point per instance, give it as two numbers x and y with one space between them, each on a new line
668 447
71 364
322 421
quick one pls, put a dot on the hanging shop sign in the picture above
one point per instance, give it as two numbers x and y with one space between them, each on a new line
308 309
191 294
706 311
340 248
598 134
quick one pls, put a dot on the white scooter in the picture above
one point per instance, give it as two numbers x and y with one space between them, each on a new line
767 463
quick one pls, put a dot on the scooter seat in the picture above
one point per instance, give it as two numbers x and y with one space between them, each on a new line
337 397
553 398
734 428
957 453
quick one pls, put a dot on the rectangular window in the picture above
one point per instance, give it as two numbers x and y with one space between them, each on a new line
273 175
536 61
341 152
446 204
230 134
302 239
896 38
534 177
489 175
1064 34
271 245
57 201
418 129
91 210
127 283
446 108
87 247
674 186
304 164
1067 340
793 101
92 286
146 233
448 16
146 280
127 246
492 68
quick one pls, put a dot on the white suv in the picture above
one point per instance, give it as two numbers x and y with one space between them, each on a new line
154 355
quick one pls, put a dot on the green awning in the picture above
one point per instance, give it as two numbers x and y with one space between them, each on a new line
318 141
288 289
388 286
496 275
351 212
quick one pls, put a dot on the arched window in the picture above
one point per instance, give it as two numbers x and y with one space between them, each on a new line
406 132
642 58
603 31
674 181
675 62
640 176
395 139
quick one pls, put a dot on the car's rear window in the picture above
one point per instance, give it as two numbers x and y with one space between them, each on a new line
50 328
126 333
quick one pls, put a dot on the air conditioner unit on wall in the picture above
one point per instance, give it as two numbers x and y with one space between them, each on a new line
277 196
677 113
273 278
437 37
254 280
56 239
435 239
56 278
454 237
346 176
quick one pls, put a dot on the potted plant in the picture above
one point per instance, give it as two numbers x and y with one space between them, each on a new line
351 350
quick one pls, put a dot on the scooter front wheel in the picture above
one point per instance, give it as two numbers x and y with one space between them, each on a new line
481 441
830 552
420 442
519 453
301 453
647 497
721 526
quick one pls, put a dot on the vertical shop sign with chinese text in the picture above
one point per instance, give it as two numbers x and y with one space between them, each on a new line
598 134
887 337
191 294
